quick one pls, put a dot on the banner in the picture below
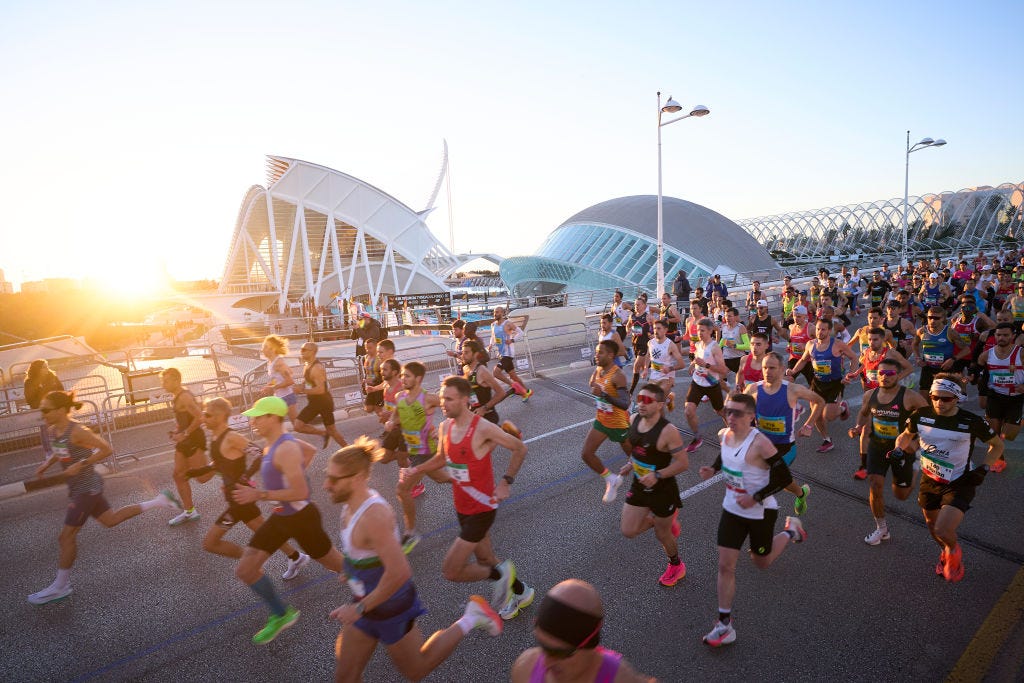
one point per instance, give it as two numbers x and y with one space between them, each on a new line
439 303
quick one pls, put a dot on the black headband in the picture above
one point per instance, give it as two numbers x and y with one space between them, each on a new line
559 620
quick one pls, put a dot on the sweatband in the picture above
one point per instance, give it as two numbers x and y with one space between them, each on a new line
950 386
559 620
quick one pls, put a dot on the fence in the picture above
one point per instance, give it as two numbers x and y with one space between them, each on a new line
556 346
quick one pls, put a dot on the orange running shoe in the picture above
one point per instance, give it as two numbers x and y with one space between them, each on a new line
940 566
954 569
998 466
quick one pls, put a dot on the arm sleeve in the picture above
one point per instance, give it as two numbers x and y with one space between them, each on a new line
744 344
717 464
620 399
779 477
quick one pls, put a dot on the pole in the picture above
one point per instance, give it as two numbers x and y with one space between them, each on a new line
906 198
661 243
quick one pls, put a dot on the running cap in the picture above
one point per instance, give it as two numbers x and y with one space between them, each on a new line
562 621
268 405
933 276
762 302
986 267
801 310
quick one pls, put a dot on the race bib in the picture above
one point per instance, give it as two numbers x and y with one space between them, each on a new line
641 468
933 359
733 480
61 451
357 587
602 405
474 400
822 368
1001 378
939 470
884 428
772 425
458 472
412 438
638 330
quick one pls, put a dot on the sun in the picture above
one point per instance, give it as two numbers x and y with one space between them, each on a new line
131 282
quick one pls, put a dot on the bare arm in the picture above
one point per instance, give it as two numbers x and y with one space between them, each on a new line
288 459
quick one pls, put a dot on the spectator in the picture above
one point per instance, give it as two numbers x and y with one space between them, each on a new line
39 381
681 290
716 285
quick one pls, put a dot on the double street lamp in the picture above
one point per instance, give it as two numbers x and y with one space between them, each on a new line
670 107
925 142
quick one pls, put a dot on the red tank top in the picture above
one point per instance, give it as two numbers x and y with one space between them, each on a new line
967 330
472 477
798 341
750 373
869 371
692 332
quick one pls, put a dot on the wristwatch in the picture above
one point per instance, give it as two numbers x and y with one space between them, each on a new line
508 479
657 474
361 608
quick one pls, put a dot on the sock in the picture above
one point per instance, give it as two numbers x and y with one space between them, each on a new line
791 533
63 578
465 624
495 574
636 380
606 473
828 439
674 560
265 589
150 504
863 460
191 510
518 587
294 556
724 616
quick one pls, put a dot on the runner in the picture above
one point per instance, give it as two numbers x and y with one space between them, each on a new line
753 473
878 290
875 319
78 449
762 322
944 435
671 315
968 325
799 335
189 441
750 366
692 334
733 339
319 401
1016 306
826 355
466 443
1005 371
280 382
934 345
620 312
373 400
228 451
665 360
282 469
658 455
640 333
899 328
385 604
567 631
504 333
707 371
753 296
608 386
608 333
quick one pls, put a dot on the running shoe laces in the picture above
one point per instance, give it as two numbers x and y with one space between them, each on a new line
721 634
877 536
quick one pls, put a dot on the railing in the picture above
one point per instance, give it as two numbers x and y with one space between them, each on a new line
556 346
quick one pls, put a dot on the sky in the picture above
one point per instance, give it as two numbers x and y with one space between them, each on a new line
131 131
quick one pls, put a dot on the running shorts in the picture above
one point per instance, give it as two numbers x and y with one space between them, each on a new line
787 451
194 442
1008 409
933 495
392 620
830 391
733 530
733 364
807 373
507 363
616 435
927 375
473 528
714 394
305 526
902 475
237 513
83 506
321 405
375 398
662 500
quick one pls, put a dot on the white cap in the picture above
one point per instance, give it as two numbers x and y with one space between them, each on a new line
762 302
800 309
932 276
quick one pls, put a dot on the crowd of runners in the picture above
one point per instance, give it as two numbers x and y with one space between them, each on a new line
930 334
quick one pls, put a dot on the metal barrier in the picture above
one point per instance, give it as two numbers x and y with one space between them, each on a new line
575 342
22 431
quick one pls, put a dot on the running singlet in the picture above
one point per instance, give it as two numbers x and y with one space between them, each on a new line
673 327
692 333
1005 373
936 349
639 328
742 478
278 378
662 363
416 423
231 471
506 346
931 296
472 477
749 373
968 330
947 442
1017 308
391 392
701 375
480 394
646 457
763 326
731 334
775 417
86 481
828 367
273 479
887 419
798 342
869 368
610 661
787 307
609 415
899 335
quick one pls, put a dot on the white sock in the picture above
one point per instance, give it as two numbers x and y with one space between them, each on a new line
882 526
158 502
466 624
63 578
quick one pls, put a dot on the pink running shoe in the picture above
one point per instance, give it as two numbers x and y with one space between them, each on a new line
673 574
676 530
697 442
418 490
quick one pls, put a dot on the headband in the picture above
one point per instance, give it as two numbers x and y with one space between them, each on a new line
950 386
579 629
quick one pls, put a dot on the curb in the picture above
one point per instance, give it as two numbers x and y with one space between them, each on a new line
12 490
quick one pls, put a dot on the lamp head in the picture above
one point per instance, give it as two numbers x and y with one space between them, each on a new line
938 143
926 141
671 106
700 110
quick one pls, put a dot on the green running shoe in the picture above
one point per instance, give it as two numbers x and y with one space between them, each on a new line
800 504
275 625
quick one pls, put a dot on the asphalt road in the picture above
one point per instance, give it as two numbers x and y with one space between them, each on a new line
151 605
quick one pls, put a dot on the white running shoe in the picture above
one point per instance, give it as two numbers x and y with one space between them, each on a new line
796 526
295 566
167 499
185 516
877 536
517 603
611 488
483 616
503 586
721 634
49 594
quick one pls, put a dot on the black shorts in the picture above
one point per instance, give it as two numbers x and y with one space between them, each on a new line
305 526
193 443
491 416
733 364
933 495
640 346
375 398
714 394
927 375
237 513
733 530
392 440
830 391
807 373
473 528
662 500
83 506
1007 409
902 476
507 363
321 405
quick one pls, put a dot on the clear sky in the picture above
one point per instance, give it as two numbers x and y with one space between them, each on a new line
132 130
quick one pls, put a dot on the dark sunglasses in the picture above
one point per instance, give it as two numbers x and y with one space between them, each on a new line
646 400
332 478
735 412
935 317
888 373
943 399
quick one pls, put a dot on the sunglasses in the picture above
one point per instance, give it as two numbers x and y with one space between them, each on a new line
646 400
332 478
935 317
943 399
888 373
44 411
735 412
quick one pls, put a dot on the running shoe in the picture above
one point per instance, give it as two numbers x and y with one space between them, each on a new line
799 411
721 634
998 466
861 474
826 446
509 428
275 625
527 395
954 569
676 529
185 516
173 499
410 541
673 574
483 616
517 603
671 401
50 594
800 504
940 566
503 586
417 490
611 487
796 526
295 566
518 388
696 443
845 414
877 536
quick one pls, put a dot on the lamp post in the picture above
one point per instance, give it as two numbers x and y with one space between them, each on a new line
925 142
670 107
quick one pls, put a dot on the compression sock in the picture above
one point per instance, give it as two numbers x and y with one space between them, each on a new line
265 589
674 560
724 616
636 380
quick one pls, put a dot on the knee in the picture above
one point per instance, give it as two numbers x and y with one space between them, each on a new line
760 561
629 531
690 410
449 572
902 492
875 483
247 572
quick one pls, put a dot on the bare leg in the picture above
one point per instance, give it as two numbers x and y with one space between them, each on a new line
727 558
414 659
352 652
457 567
591 443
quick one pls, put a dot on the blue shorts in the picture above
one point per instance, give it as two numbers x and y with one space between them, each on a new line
290 399
384 625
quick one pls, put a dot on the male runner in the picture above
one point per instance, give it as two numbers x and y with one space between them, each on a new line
282 470
414 415
608 332
944 435
878 289
639 327
465 445
754 471
800 334
733 339
1015 304
875 319
901 329
750 365
77 449
1005 371
608 386
763 322
318 398
671 315
658 455
189 441
969 325
487 392
935 345
385 604
707 371
665 360
504 333
882 416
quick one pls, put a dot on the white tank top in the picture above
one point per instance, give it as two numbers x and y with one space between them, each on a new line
346 531
743 478
731 334
701 375
662 363
279 378
1003 373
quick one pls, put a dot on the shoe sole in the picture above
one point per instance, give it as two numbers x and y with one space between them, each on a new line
677 579
184 521
298 570
879 541
49 600
719 643
482 603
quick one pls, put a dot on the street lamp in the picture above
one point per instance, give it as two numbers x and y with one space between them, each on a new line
670 107
925 142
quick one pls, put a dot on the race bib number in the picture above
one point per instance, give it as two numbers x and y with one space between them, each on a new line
474 400
602 405
733 480
933 359
61 451
458 472
412 438
884 428
641 468
1001 378
939 470
772 425
822 368
638 330
357 587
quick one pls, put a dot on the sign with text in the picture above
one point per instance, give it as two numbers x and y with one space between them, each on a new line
438 301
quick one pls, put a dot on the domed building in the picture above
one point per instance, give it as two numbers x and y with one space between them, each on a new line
614 245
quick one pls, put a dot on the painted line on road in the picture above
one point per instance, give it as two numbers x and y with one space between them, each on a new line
978 656
557 431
